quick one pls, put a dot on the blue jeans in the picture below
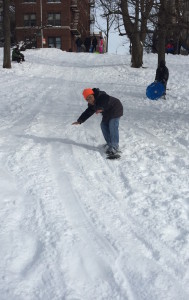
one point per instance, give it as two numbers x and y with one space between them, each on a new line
110 132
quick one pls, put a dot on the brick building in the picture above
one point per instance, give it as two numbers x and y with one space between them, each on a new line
52 23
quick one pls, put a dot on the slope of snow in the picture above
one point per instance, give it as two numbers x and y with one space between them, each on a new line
75 226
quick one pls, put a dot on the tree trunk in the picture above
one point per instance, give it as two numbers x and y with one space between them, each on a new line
133 31
162 30
136 52
107 35
6 28
161 44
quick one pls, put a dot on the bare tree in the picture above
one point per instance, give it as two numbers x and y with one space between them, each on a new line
134 15
168 25
182 28
157 20
6 28
162 29
171 24
107 15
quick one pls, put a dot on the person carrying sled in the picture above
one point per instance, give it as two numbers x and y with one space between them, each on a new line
111 109
162 75
17 55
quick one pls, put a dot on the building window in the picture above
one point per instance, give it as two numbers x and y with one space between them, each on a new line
54 42
52 1
30 20
54 19
29 1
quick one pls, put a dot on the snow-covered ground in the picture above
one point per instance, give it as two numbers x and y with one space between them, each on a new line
75 226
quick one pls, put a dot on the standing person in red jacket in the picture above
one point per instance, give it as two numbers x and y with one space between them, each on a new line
111 109
169 48
101 45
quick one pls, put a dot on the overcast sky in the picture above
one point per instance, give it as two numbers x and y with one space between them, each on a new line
117 44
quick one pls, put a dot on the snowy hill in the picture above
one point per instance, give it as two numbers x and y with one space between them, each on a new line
75 226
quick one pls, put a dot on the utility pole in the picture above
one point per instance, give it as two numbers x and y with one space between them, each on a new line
6 29
41 10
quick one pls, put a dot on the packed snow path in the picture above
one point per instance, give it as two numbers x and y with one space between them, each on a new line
75 226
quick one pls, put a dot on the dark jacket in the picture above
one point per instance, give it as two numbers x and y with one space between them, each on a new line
16 54
79 42
87 42
94 41
112 107
162 73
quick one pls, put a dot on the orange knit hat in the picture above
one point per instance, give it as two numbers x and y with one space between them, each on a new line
87 92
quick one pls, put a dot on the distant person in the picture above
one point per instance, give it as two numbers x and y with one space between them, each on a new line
79 42
87 43
101 45
94 44
169 48
184 50
83 49
17 55
104 45
162 75
111 110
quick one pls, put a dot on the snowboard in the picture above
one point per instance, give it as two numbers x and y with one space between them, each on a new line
113 156
155 90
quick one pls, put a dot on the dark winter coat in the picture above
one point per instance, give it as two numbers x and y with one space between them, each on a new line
162 73
111 107
79 42
16 54
94 41
87 42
